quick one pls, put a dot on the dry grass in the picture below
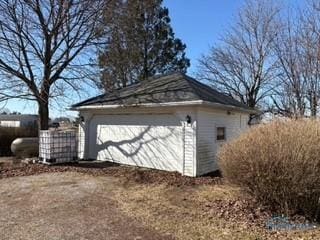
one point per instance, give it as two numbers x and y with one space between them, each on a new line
76 205
192 213
184 212
279 164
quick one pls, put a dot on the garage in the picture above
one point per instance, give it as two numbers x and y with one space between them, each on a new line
167 122
146 140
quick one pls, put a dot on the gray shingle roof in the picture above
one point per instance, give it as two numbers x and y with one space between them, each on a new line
175 87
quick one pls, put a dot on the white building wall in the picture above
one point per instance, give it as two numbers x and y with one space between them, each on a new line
189 140
207 143
7 123
83 136
199 137
89 127
81 140
189 151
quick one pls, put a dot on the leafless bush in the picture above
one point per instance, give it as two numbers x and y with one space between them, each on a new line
279 164
8 134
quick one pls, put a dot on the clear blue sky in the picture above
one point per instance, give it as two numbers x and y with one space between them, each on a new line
199 23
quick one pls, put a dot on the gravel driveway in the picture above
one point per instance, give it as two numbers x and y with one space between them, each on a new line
65 206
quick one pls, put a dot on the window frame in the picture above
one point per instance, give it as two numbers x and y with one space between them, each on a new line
224 133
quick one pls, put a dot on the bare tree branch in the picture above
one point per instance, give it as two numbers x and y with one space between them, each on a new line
39 44
242 65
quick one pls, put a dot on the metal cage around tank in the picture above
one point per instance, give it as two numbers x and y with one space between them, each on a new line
56 146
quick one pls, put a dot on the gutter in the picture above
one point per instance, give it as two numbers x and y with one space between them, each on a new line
168 104
230 107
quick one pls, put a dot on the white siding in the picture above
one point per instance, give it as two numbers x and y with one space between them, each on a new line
170 142
189 149
8 123
83 135
189 140
81 141
208 146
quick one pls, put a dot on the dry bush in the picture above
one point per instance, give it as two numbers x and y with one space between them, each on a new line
279 163
8 134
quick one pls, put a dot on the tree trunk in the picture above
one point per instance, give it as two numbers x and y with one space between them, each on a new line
313 105
251 102
43 111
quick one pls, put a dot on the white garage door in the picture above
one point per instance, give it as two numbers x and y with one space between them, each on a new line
153 141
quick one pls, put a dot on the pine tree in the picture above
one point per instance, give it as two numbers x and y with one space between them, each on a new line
141 43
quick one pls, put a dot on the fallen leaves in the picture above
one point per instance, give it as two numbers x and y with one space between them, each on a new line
128 174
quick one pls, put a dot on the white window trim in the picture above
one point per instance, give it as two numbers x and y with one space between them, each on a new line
216 133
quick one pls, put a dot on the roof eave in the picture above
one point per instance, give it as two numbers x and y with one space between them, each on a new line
168 104
113 106
230 107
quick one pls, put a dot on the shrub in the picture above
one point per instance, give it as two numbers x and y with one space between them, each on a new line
8 134
279 164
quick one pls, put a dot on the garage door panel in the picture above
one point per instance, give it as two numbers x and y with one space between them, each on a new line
135 143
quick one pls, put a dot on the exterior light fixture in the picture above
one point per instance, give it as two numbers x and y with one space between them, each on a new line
188 119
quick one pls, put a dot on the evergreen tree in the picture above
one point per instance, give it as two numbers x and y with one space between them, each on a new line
141 43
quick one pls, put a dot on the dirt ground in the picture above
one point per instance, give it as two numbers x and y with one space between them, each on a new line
65 206
113 202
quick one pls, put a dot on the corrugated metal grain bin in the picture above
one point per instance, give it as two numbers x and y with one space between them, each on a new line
57 146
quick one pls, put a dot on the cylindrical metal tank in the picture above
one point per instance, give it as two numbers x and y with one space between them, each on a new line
25 147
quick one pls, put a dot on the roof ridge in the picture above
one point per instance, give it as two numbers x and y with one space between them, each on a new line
193 80
209 88
164 75
151 78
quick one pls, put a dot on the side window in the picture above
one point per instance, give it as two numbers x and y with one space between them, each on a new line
221 133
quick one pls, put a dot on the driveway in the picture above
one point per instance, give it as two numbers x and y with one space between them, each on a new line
118 202
65 206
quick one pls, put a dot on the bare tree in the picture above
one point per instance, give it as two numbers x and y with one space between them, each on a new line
42 47
242 66
310 45
298 52
289 95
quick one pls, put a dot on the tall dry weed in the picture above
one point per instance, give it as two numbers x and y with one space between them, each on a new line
279 163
